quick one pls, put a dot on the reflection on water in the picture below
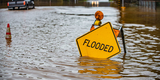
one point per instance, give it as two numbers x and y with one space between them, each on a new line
148 5
100 68
142 39
8 42
142 14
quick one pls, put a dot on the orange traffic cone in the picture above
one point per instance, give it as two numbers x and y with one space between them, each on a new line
8 32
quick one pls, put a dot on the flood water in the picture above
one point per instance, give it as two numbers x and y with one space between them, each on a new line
43 45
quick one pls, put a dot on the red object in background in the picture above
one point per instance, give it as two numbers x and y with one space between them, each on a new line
24 3
8 4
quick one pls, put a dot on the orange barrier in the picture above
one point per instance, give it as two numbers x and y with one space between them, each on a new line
92 28
116 32
99 16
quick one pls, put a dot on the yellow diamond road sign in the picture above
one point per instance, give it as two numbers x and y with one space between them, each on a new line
99 43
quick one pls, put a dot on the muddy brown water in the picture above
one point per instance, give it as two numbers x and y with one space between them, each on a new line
43 44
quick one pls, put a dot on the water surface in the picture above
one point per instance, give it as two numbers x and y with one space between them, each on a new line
43 44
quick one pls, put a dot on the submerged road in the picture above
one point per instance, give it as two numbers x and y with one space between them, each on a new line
43 46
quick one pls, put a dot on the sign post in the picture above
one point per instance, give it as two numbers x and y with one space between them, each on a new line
123 40
99 43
